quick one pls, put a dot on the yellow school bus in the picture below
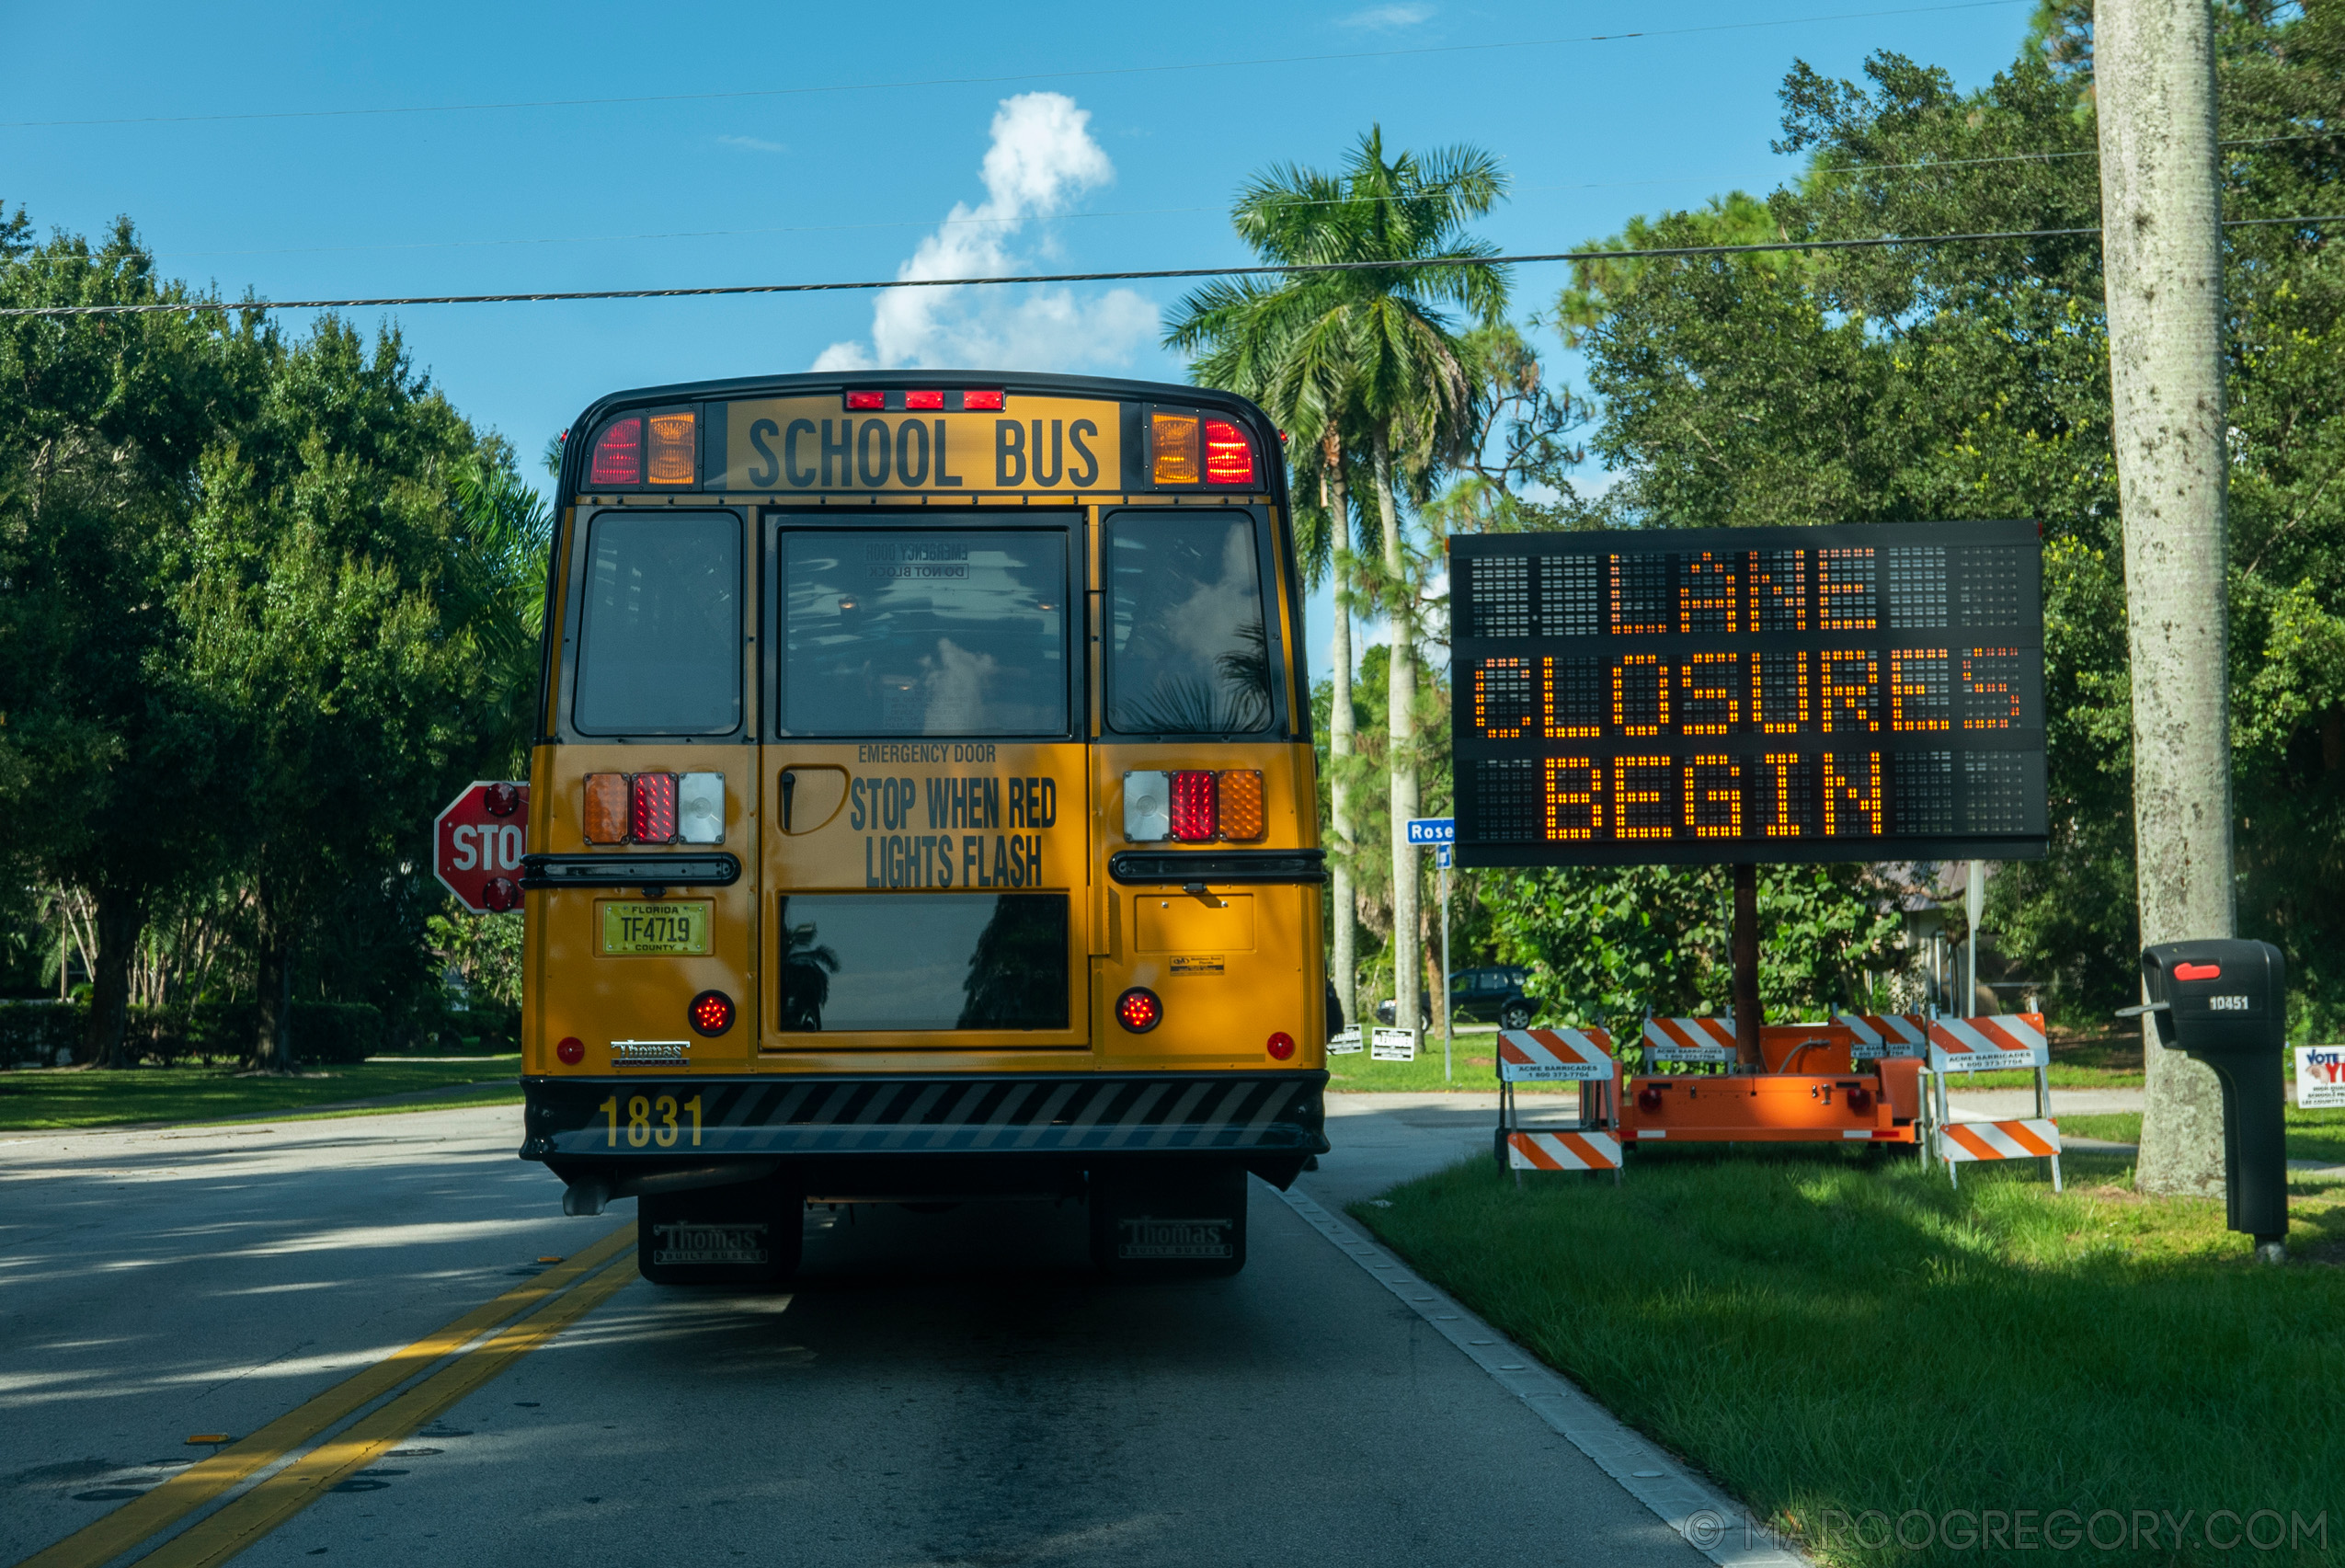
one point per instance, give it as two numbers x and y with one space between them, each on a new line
922 810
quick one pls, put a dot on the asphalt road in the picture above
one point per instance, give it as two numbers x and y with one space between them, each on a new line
953 1389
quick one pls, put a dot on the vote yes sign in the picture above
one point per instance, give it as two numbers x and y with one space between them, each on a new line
476 845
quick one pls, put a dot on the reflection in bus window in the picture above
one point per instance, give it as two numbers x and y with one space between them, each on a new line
923 962
1188 655
927 632
659 651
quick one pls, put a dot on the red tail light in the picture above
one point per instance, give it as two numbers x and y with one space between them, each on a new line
652 817
711 1012
1195 805
1649 1099
981 400
618 453
572 1050
1138 1011
866 400
1282 1046
1229 456
924 400
1860 1100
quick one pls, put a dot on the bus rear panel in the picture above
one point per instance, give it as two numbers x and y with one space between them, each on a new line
924 810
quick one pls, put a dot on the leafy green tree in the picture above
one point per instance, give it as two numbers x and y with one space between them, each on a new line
344 618
109 754
1371 350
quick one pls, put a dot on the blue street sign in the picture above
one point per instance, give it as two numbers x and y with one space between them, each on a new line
1441 856
1433 829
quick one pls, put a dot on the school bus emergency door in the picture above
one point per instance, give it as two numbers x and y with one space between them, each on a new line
924 810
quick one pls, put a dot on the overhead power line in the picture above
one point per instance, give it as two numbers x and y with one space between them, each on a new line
1333 57
1657 253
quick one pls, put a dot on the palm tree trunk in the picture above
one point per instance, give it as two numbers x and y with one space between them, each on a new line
1341 912
1400 714
118 920
2155 75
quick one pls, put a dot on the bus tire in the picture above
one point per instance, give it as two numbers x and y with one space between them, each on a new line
1169 1222
747 1233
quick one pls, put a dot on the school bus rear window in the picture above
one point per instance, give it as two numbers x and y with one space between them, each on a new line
659 652
921 962
929 631
1188 656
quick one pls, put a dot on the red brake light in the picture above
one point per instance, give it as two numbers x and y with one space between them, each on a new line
618 453
990 399
924 400
1229 456
866 400
711 1012
572 1050
652 817
1282 1046
1138 1011
1195 814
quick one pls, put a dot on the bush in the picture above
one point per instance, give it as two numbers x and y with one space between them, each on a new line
337 1032
32 1033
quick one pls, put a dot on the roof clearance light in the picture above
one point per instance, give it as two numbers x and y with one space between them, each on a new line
618 453
710 1013
1229 456
700 809
866 400
606 808
653 818
1138 1011
1242 817
924 400
671 449
1172 438
989 398
1194 819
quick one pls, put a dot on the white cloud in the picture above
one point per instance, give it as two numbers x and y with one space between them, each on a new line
1387 16
1042 158
754 143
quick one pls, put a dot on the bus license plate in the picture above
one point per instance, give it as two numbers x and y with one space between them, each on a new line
655 928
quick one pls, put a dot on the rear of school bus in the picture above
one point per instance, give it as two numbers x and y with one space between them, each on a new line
923 810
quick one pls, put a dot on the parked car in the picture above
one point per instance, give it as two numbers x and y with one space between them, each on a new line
1493 995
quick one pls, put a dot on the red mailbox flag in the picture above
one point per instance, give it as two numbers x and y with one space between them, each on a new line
477 846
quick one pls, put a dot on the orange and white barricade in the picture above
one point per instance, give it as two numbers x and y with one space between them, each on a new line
1889 1035
1689 1042
1551 1056
1958 1045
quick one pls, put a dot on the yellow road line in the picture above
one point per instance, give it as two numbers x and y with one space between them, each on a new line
220 1536
104 1539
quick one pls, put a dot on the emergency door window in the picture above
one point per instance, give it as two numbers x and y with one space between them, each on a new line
932 631
1187 654
922 963
659 643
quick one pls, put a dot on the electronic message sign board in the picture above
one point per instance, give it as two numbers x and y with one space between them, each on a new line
1749 695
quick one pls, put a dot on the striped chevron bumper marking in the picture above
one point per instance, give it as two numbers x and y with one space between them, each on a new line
936 1113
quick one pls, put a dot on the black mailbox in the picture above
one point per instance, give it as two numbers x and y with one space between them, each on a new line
2224 1003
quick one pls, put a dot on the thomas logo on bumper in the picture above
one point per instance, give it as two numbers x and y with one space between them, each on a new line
701 1242
1146 1237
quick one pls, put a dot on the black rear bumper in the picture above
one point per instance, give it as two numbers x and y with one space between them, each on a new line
1271 1119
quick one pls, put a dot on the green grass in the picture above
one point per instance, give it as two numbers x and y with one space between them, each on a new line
79 1097
2311 1135
1473 1060
1828 1337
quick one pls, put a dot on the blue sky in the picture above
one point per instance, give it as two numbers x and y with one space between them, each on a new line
1081 152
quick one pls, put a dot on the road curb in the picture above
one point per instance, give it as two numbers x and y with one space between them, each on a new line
1708 1520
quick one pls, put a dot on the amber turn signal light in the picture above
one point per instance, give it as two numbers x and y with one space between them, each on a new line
1172 446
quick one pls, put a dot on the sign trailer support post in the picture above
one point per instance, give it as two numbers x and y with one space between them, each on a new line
1448 1029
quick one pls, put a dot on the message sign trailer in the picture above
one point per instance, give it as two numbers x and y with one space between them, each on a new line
1819 1082
1744 696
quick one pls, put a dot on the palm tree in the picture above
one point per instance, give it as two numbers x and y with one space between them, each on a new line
1363 357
